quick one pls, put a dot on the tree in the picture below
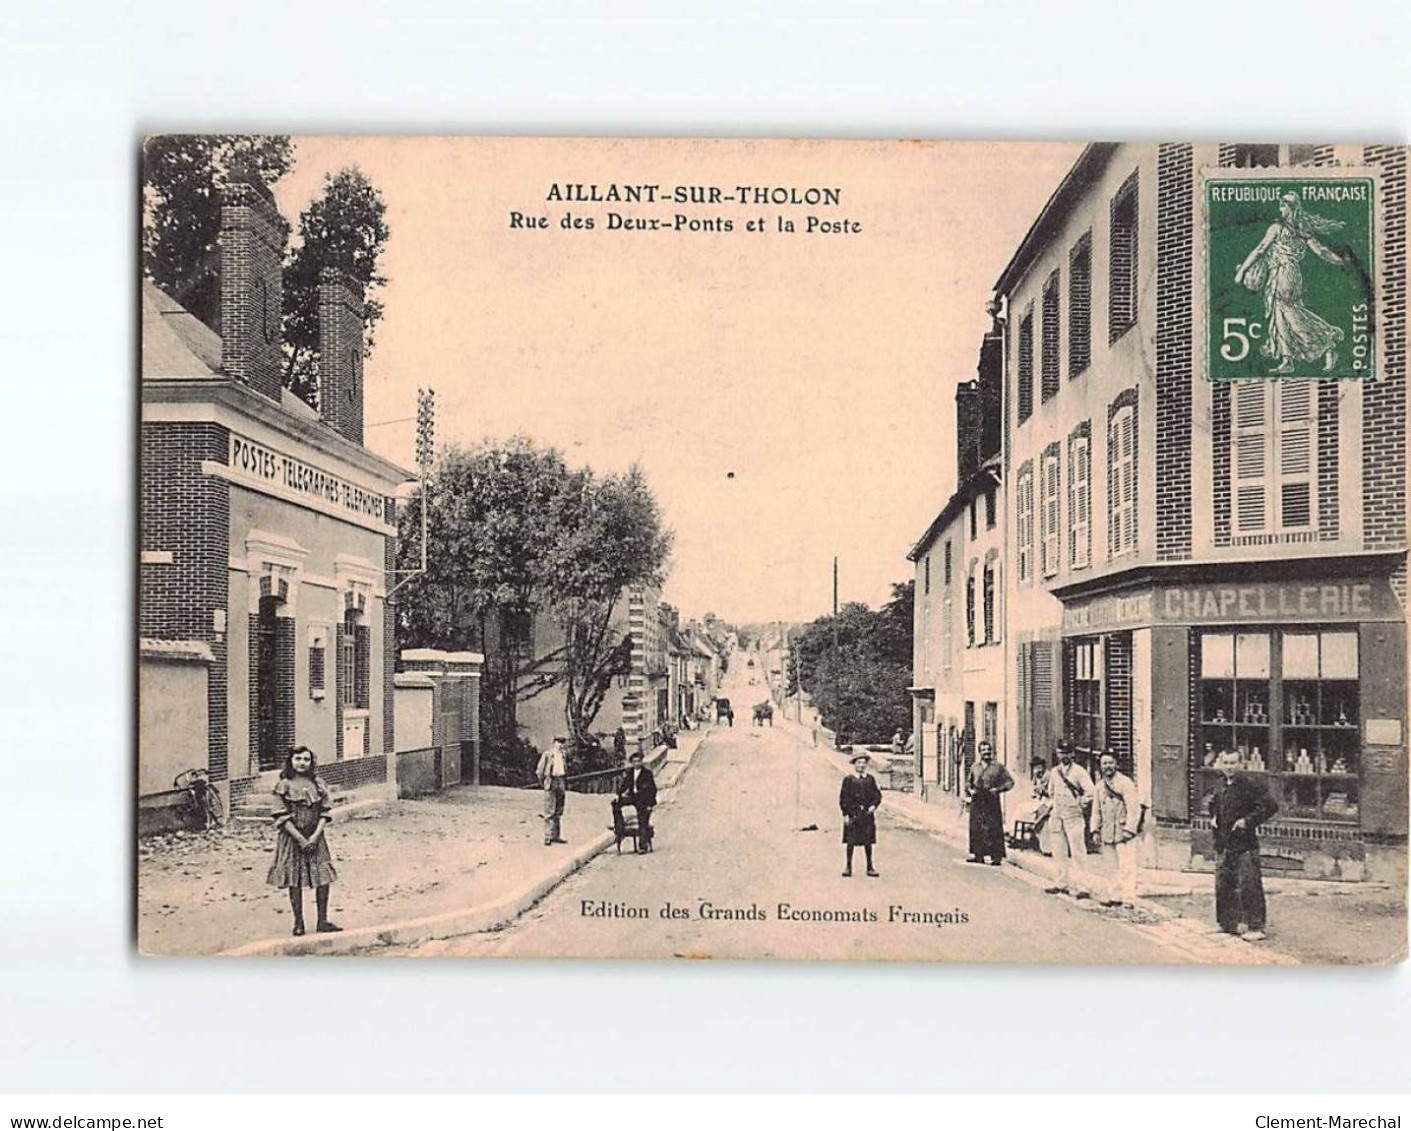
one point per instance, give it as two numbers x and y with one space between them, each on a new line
491 526
861 692
612 539
514 533
344 228
182 179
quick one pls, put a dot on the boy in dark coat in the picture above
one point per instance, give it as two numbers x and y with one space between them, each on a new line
858 799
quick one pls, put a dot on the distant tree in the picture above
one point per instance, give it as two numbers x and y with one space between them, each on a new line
861 692
182 179
345 228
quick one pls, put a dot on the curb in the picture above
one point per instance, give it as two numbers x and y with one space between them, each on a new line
473 920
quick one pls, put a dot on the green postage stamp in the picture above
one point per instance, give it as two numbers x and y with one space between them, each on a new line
1290 275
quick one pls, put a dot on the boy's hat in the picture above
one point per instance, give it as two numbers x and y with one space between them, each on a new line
859 756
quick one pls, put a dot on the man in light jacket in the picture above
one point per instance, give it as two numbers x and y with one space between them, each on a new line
1116 822
1071 791
552 770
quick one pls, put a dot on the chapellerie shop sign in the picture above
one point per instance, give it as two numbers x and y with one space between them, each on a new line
1263 602
251 461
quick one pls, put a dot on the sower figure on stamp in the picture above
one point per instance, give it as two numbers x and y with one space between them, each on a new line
987 781
1116 822
1071 793
552 770
638 788
858 799
1239 807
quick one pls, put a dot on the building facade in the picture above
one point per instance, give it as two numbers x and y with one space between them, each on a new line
1208 557
266 531
958 685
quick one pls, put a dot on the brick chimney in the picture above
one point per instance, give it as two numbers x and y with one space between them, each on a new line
968 424
252 236
340 353
991 376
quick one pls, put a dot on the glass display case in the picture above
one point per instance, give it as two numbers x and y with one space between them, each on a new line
1288 704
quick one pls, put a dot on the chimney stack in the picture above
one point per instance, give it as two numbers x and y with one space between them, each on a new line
340 353
252 236
991 373
968 424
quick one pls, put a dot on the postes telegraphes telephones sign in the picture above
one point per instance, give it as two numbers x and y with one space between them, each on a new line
1290 275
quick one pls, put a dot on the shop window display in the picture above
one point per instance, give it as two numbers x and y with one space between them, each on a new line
1288 704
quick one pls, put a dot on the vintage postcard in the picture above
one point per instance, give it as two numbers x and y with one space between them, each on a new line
870 550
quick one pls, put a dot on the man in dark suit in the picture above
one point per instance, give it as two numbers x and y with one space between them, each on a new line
637 788
1240 805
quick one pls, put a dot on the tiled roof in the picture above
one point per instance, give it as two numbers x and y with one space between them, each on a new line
175 343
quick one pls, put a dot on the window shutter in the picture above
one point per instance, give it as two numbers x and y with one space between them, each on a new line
1295 454
1050 515
1251 456
1079 500
1129 479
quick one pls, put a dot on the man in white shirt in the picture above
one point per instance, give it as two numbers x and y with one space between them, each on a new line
1071 792
1116 820
552 770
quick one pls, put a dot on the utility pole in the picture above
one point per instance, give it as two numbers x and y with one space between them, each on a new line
425 451
837 673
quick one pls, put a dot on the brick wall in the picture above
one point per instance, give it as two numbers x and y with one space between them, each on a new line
1117 711
1220 423
252 239
340 353
187 513
1384 399
1174 376
354 773
968 425
1328 477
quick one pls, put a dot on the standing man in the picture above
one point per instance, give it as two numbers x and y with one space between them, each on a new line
1071 792
858 799
1116 822
987 781
553 769
637 788
1239 807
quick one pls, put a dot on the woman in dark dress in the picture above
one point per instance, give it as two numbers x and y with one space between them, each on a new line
987 781
858 799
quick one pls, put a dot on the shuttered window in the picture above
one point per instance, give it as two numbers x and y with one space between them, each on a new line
1048 516
1024 521
1122 481
1273 456
1079 501
1026 365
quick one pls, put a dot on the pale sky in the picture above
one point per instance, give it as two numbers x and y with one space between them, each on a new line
820 369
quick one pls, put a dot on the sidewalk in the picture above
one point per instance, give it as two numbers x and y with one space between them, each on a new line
1310 920
469 859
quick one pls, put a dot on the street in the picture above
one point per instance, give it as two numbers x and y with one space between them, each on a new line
739 873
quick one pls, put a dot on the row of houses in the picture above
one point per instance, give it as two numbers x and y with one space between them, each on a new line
266 562
1179 525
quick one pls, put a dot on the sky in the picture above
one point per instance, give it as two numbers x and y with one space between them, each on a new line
819 369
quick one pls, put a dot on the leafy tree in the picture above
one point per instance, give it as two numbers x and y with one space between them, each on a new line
514 533
182 179
491 525
612 538
861 694
346 228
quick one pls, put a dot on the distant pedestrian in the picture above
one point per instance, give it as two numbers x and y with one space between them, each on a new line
619 745
301 856
552 771
899 742
988 780
858 799
1071 794
638 788
1239 807
1116 824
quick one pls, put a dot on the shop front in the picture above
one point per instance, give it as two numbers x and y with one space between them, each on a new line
1301 675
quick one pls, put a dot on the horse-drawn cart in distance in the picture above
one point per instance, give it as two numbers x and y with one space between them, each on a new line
724 712
764 714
